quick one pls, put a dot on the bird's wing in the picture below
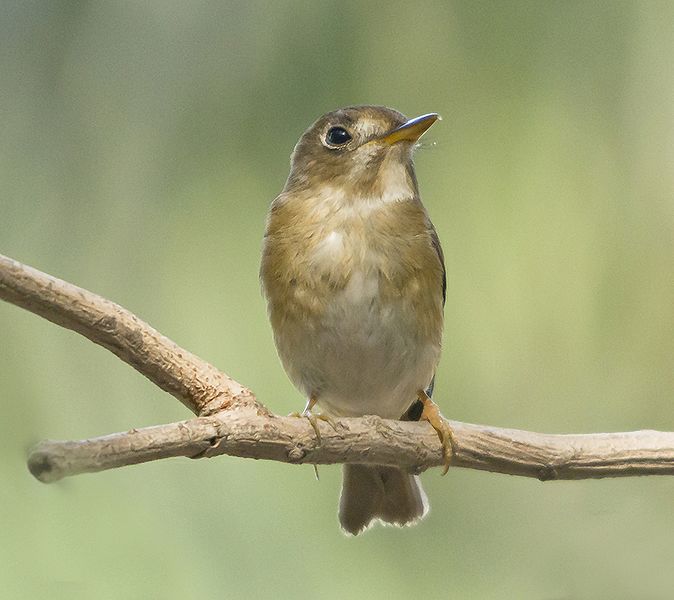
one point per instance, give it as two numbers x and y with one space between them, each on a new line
414 412
435 240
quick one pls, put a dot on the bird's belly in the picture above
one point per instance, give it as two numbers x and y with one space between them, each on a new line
362 354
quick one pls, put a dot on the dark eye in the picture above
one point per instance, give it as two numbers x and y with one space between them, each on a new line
337 136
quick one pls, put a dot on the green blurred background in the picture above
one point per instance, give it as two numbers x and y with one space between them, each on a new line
141 145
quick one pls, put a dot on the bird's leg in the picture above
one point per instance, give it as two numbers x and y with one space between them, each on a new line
431 413
313 419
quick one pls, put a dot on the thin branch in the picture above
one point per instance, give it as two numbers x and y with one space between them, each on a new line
197 384
368 440
233 422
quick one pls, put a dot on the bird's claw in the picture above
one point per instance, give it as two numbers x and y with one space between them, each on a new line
431 413
314 419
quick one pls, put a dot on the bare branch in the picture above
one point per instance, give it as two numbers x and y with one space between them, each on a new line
197 384
233 422
370 440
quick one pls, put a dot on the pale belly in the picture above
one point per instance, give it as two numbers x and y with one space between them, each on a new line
363 355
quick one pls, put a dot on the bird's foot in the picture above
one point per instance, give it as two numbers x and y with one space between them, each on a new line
314 418
431 413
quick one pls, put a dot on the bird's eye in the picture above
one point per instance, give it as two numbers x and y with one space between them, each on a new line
337 136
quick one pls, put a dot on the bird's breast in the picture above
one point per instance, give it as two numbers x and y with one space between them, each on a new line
356 308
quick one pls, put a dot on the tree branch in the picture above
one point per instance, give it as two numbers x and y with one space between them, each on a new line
197 384
368 440
233 422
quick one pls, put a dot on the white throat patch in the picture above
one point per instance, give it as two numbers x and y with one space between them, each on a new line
394 183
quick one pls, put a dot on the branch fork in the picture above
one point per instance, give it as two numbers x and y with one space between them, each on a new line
230 420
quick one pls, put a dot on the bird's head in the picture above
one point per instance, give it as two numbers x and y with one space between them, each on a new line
362 150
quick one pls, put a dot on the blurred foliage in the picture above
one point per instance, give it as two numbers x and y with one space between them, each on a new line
142 143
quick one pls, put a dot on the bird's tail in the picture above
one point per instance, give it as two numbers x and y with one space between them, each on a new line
376 492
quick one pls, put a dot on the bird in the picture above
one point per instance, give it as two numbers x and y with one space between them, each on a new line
355 282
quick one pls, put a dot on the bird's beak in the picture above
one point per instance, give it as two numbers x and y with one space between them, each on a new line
412 130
